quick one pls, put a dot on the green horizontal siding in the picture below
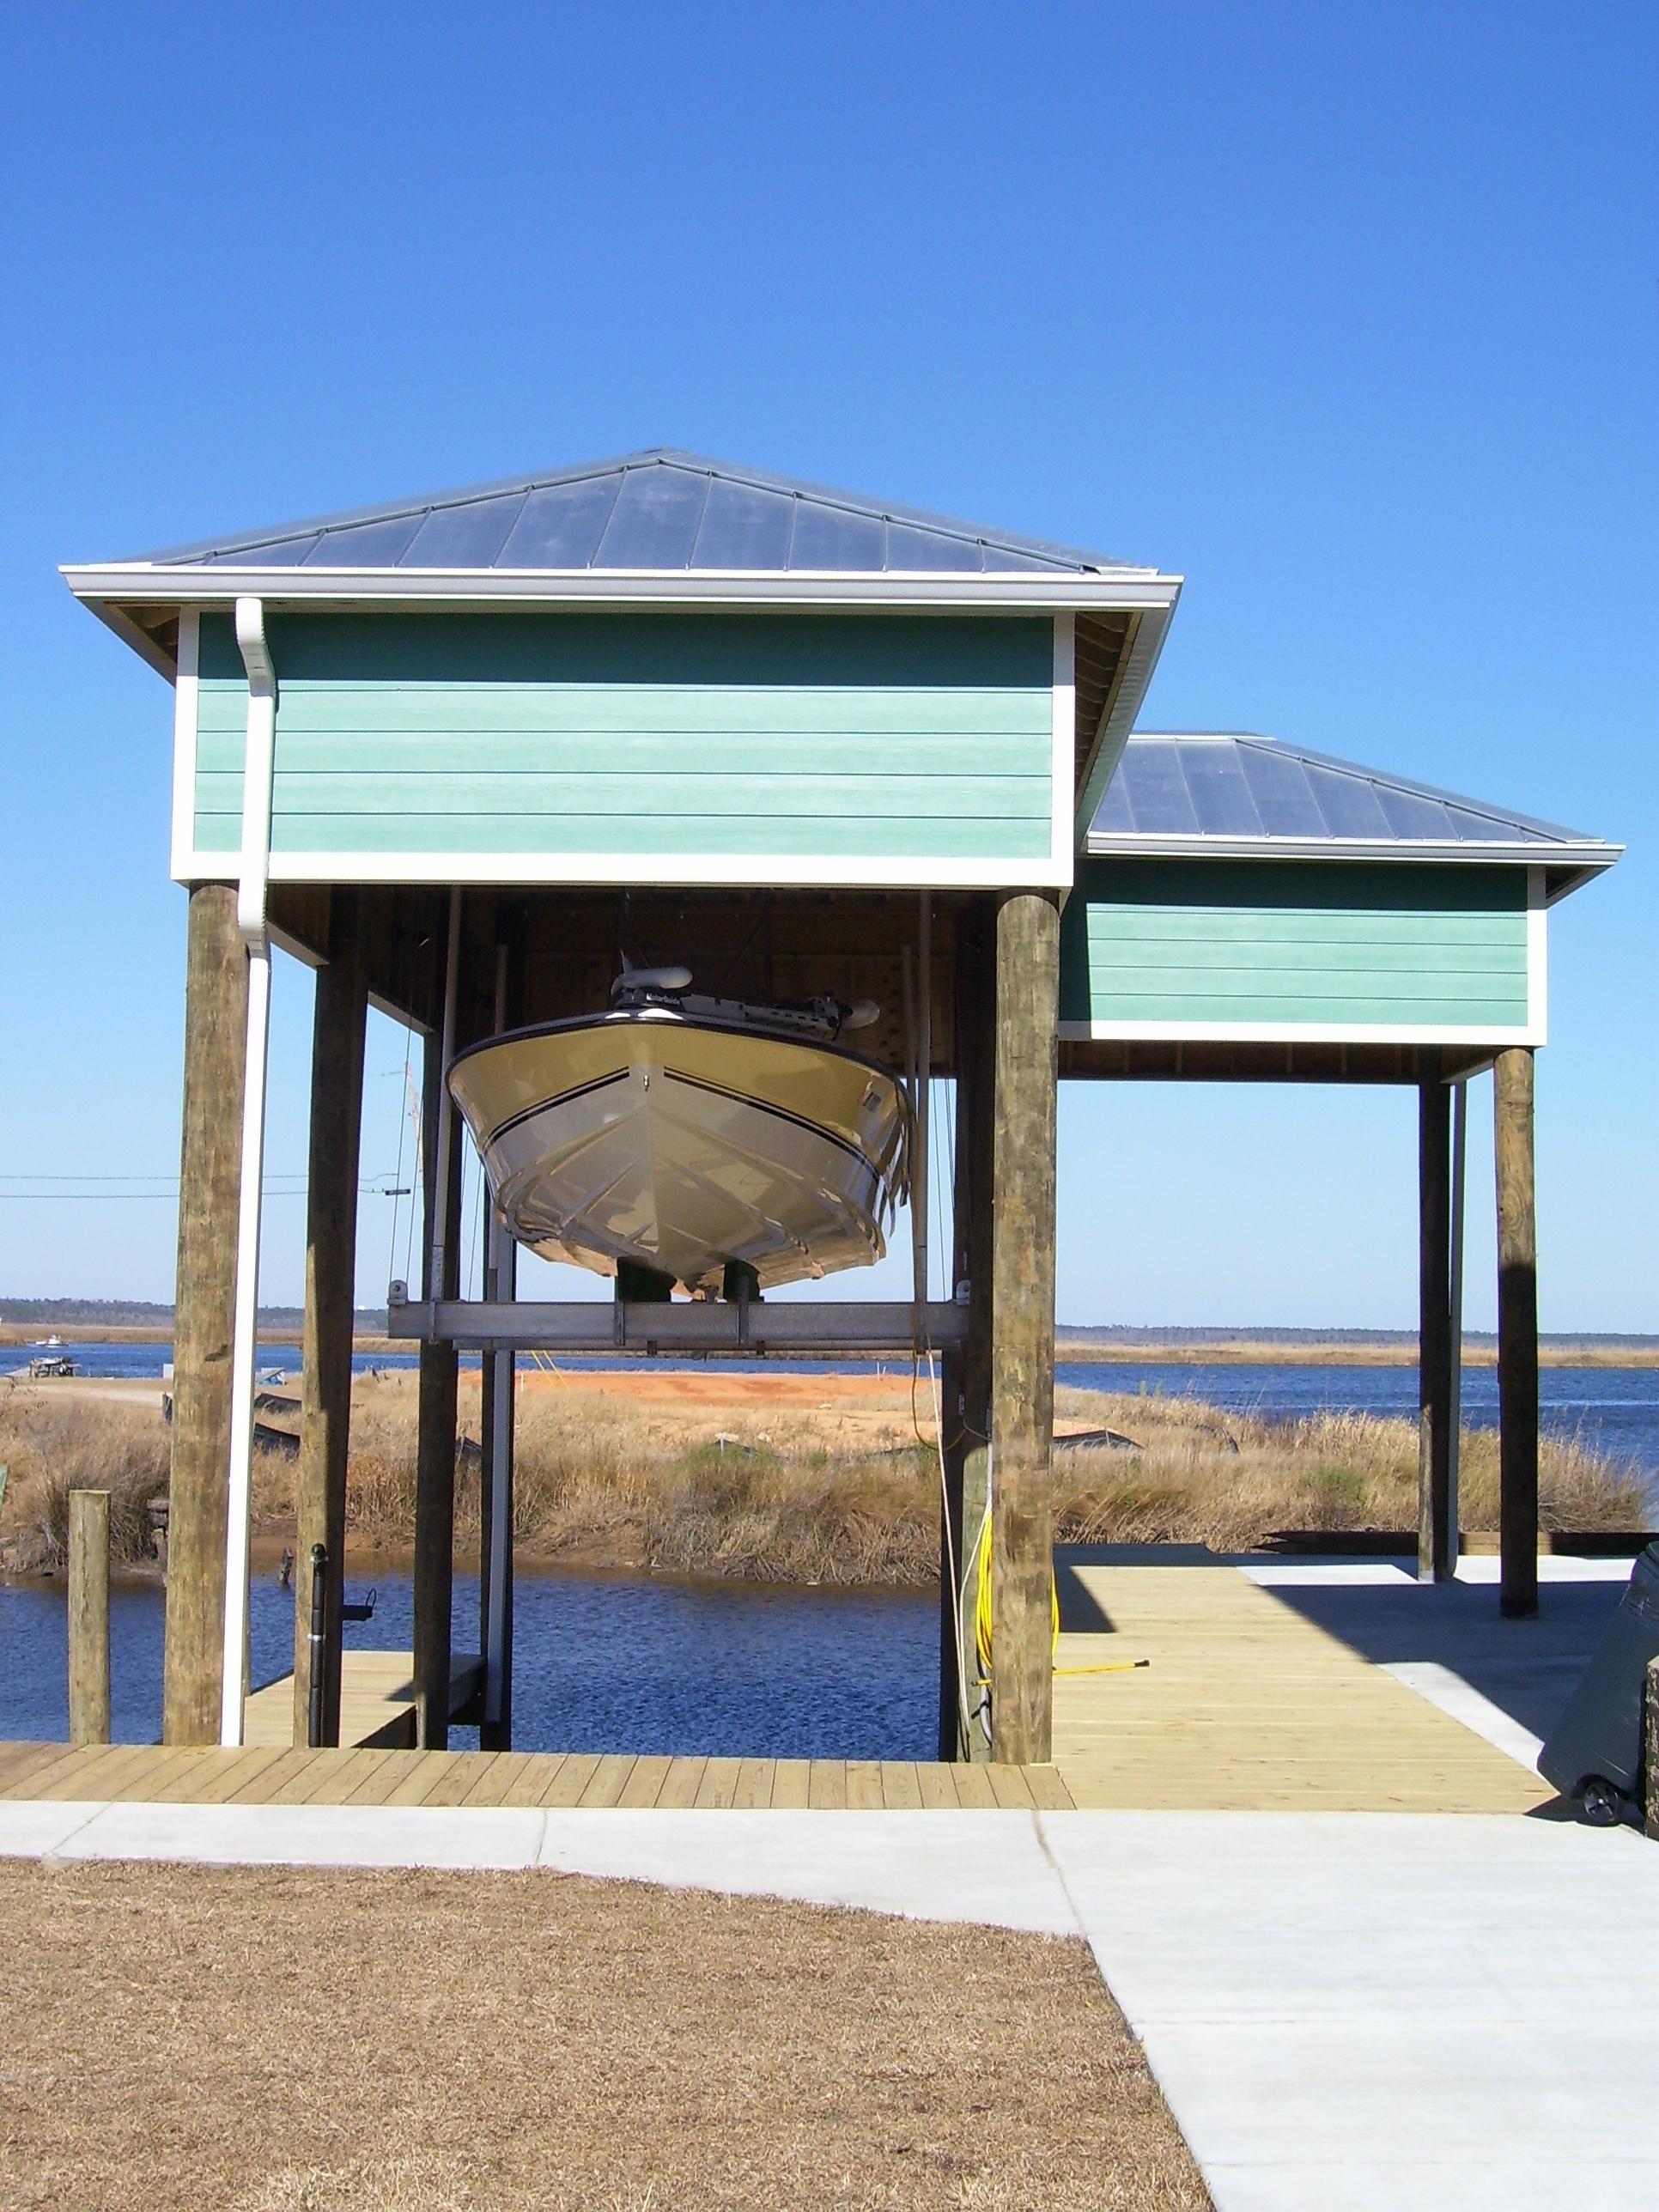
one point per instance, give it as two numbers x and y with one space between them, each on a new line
1217 943
845 736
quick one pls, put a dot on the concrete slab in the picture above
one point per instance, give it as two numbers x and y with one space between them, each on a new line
35 1830
309 1835
1369 2011
988 1867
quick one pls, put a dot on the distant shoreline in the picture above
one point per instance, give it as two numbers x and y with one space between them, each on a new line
1338 1349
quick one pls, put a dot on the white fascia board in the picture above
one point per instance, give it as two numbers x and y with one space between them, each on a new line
1538 956
184 744
679 871
1588 859
1489 1038
1062 771
1141 664
286 588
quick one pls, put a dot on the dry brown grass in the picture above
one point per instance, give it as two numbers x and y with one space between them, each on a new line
52 1447
804 1480
234 2040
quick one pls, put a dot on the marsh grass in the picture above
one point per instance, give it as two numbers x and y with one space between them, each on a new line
837 1491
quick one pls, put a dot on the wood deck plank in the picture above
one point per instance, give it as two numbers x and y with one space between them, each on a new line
791 1780
565 1785
754 1784
681 1783
466 1770
608 1781
827 1789
86 1774
936 1784
429 1770
864 1785
21 1763
505 1773
719 1785
644 1783
1011 1790
973 1788
395 1767
1049 1792
345 1773
901 1791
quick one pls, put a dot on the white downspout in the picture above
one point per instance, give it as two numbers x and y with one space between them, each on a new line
250 920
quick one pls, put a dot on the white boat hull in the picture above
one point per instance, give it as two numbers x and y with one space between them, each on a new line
681 1146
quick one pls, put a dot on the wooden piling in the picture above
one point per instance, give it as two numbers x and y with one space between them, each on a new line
435 1464
1027 961
1437 1536
1517 1332
215 1027
336 1094
965 1369
89 1616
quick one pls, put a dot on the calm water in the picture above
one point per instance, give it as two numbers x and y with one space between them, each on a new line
634 1664
623 1663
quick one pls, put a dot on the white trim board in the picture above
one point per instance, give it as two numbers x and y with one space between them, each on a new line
1062 770
688 871
1075 1032
223 583
184 717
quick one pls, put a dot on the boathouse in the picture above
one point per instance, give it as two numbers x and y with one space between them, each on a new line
458 752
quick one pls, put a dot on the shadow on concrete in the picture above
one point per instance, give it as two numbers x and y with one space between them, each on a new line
1528 1668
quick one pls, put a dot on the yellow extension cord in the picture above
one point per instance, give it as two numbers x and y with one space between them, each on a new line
983 1623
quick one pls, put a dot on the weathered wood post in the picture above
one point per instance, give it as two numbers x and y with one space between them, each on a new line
209 1184
1022 1341
1517 1332
1437 1536
89 1616
435 1472
337 1095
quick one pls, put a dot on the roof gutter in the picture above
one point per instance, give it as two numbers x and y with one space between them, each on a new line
258 757
222 583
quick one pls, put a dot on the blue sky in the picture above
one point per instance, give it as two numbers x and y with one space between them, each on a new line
1346 313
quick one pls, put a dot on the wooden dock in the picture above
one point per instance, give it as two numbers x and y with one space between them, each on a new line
377 1703
1246 1707
151 1774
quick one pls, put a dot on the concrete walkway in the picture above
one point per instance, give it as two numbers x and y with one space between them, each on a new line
1352 2012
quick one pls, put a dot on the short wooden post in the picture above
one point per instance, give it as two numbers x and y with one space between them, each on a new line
337 1093
1517 1333
1437 1539
89 1616
1022 1327
1650 1754
434 1469
215 1025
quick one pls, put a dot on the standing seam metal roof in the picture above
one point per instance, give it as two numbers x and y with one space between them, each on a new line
658 510
1179 789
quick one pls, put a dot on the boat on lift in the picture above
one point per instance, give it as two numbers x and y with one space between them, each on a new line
722 1146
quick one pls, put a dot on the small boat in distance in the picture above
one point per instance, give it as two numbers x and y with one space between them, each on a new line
708 1143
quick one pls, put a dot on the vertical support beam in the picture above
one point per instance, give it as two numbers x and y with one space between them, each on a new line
1517 1332
336 1098
209 1186
1023 1343
1459 1184
1437 1539
89 1616
498 1425
965 1031
435 1475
